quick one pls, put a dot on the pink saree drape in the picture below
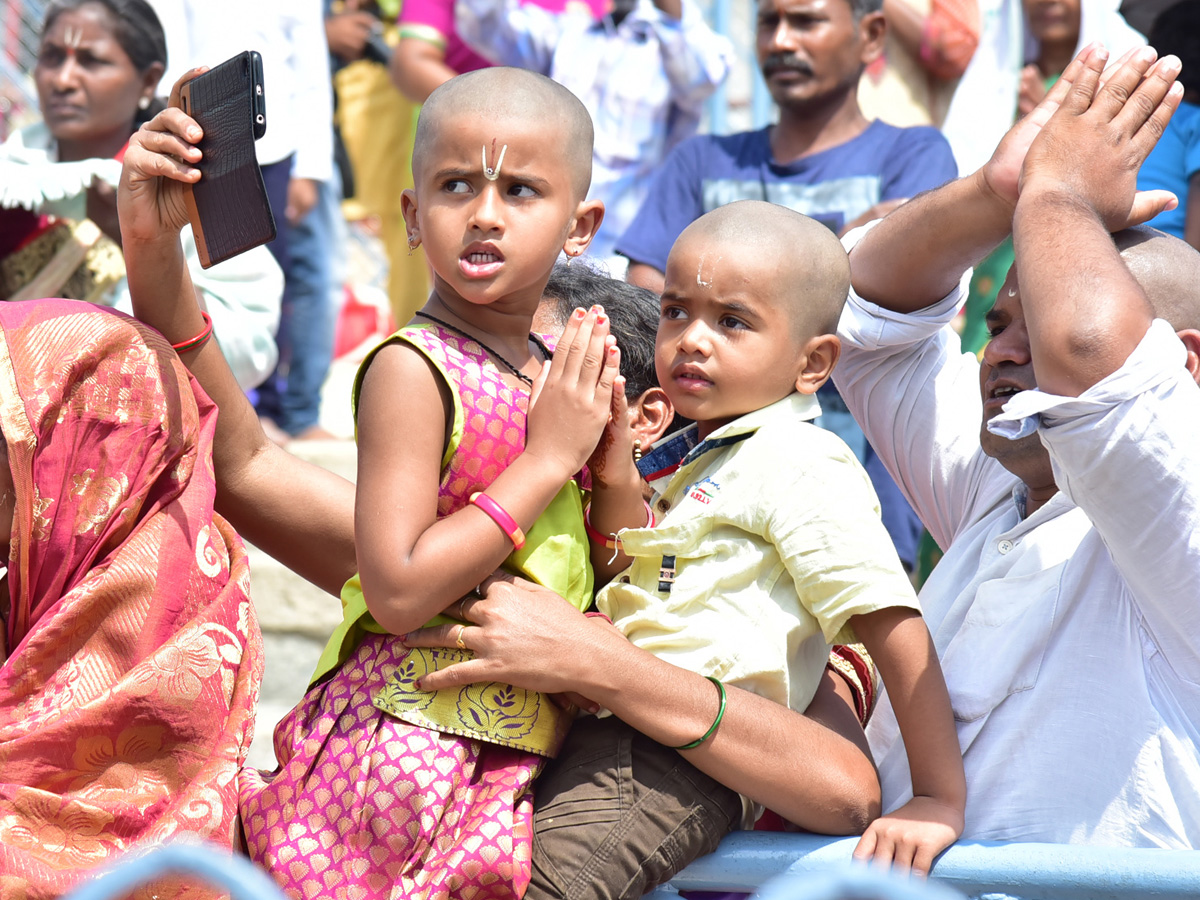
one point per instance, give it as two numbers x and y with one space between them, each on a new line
133 655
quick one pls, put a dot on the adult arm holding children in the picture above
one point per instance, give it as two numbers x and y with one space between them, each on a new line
306 520
748 575
1069 512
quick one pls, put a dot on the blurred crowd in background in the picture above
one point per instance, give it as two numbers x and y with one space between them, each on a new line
345 80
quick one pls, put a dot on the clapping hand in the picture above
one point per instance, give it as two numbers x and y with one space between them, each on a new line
571 399
1003 173
1092 146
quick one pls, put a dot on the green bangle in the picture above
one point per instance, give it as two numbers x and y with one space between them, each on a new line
716 722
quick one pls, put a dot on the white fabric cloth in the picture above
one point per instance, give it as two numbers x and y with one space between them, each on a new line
984 105
1070 639
290 36
242 294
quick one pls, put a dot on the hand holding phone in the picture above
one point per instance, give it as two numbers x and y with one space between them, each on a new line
228 207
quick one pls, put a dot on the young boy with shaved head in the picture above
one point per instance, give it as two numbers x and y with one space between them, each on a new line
770 544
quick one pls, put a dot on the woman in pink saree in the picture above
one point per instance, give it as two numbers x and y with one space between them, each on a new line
131 656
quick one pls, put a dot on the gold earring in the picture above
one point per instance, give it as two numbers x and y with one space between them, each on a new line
413 243
637 451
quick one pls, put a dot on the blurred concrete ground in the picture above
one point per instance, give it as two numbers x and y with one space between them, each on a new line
297 617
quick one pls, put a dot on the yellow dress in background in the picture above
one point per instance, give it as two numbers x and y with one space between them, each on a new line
378 125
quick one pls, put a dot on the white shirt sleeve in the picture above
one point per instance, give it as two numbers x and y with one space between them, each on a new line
695 58
509 33
313 92
1127 452
915 395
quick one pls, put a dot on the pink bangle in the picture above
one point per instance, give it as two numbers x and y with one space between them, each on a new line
506 522
199 340
598 615
611 543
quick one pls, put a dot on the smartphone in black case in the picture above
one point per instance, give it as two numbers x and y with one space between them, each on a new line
228 206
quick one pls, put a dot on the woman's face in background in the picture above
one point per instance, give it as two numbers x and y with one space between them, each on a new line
88 88
1054 21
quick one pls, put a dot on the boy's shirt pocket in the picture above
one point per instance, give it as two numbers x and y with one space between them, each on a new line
703 597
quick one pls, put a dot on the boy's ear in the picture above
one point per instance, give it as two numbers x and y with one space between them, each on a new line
408 209
588 216
650 415
819 357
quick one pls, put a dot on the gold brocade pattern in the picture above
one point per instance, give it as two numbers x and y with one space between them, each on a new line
41 521
56 830
99 496
127 704
102 267
492 711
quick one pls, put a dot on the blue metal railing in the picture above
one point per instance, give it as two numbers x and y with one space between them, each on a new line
748 860
20 21
787 867
858 883
235 874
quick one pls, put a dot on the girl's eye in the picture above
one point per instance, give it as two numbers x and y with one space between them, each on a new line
673 312
521 190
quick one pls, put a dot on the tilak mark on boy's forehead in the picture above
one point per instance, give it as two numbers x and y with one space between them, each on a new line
491 173
712 271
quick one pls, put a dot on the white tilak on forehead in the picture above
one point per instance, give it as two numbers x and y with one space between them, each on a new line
712 271
491 173
72 37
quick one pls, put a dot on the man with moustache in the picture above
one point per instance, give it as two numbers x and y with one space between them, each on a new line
1061 473
823 159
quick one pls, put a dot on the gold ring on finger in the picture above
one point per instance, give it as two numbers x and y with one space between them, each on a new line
458 641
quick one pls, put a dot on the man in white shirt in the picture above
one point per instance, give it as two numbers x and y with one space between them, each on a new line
1064 610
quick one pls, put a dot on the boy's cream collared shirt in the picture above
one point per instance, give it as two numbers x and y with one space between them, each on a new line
776 537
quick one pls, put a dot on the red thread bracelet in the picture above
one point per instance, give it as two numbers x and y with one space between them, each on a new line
199 340
610 543
498 515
